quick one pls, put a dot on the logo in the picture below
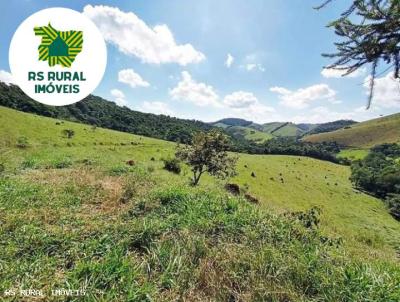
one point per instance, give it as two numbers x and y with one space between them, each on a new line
57 56
58 47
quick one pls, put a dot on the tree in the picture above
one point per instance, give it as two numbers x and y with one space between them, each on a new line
373 38
208 153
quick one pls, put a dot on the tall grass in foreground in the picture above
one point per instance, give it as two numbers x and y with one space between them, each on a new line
172 244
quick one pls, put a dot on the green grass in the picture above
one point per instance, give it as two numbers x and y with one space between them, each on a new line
249 134
280 129
353 154
73 214
364 135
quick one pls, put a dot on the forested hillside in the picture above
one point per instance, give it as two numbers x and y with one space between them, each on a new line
331 126
97 111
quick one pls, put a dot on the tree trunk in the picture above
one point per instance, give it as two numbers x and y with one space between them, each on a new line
196 177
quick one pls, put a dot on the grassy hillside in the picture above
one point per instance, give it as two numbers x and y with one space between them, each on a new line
282 129
364 135
274 129
248 134
73 212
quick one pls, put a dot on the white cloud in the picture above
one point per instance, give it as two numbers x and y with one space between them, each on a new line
257 112
197 93
280 90
119 97
386 91
229 60
133 36
240 99
6 77
130 77
335 73
246 105
302 97
323 115
156 108
254 67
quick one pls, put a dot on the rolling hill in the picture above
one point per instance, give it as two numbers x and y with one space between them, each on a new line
97 111
248 134
363 135
74 212
241 128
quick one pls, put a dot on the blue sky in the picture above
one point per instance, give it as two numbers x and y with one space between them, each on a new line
255 59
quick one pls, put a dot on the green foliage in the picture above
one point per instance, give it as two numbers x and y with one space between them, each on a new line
393 203
379 171
22 142
389 150
29 163
331 126
208 153
172 165
61 163
293 146
379 174
234 122
118 170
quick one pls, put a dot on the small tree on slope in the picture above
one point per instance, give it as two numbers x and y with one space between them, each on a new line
208 153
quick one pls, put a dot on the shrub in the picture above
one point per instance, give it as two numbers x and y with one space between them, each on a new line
118 170
233 189
29 163
393 203
251 198
2 168
22 142
87 162
61 163
68 133
172 165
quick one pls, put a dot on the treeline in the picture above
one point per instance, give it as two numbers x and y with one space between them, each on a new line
379 174
293 146
331 126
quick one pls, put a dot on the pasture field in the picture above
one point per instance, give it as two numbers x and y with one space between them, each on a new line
249 134
74 214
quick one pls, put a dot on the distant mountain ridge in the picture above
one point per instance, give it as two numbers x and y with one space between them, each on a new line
278 129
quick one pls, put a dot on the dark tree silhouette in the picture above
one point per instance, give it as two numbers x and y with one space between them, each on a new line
370 32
